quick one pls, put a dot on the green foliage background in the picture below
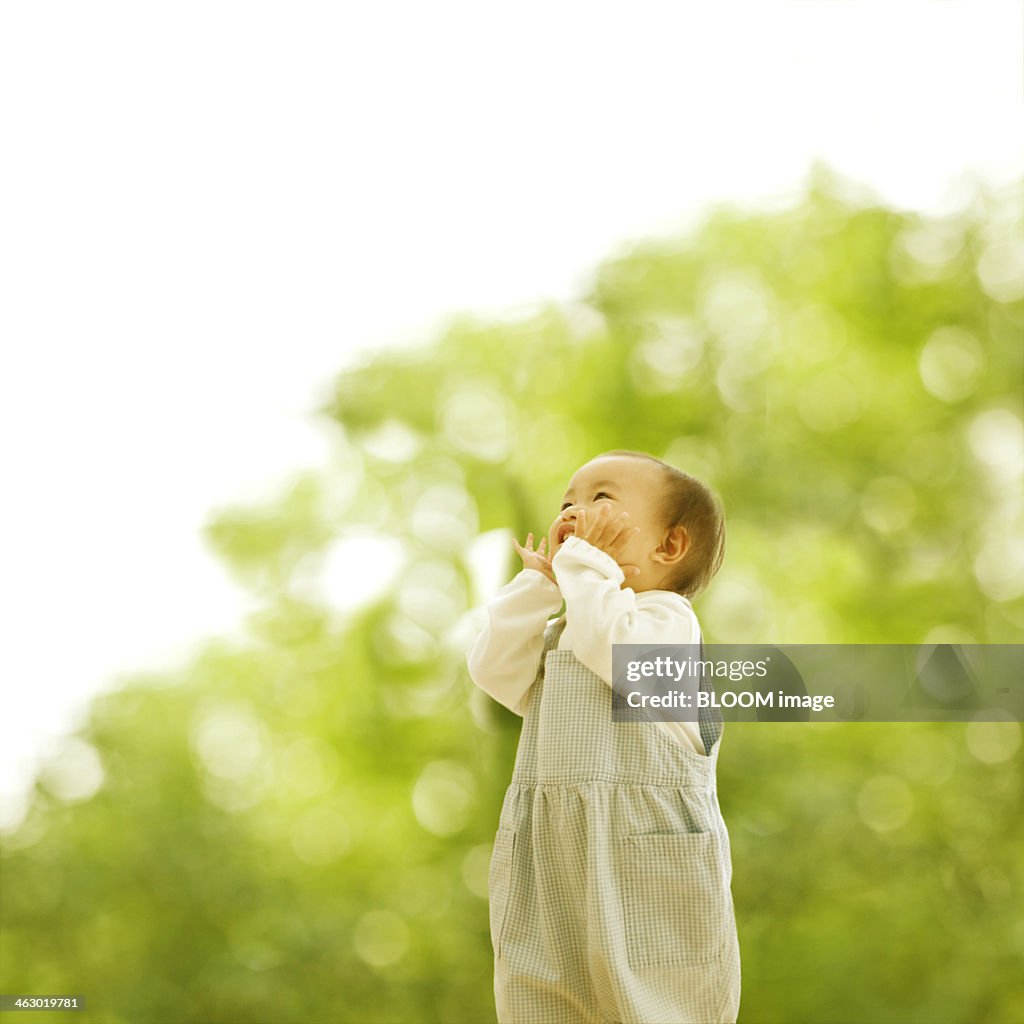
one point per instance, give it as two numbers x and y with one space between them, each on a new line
297 827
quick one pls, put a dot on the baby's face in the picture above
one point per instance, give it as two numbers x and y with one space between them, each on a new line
628 485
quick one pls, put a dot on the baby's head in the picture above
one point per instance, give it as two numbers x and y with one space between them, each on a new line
681 538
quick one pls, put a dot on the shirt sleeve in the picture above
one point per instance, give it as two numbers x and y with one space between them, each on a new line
505 656
599 613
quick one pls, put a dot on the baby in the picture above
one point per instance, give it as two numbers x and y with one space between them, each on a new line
610 878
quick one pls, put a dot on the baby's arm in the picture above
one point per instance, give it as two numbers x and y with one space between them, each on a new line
599 613
504 659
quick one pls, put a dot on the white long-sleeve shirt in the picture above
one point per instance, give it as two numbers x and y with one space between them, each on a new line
505 657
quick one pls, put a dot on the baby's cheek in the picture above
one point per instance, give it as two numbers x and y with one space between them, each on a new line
634 549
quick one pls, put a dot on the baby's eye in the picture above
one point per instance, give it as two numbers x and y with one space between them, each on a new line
603 494
565 506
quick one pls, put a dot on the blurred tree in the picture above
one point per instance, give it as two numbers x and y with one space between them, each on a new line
297 827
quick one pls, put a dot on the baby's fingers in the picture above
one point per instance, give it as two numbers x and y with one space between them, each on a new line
623 534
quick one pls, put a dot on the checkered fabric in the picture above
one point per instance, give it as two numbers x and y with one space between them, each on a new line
610 879
710 721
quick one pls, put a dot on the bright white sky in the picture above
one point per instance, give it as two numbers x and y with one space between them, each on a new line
207 208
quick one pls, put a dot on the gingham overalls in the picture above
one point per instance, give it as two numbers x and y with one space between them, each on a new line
610 877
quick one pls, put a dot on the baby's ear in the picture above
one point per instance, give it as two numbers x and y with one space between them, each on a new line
673 547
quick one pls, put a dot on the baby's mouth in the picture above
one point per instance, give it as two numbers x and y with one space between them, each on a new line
568 527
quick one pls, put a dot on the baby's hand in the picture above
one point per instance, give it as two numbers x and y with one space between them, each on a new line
608 534
536 559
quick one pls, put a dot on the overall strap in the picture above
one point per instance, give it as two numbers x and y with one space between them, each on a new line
709 720
552 633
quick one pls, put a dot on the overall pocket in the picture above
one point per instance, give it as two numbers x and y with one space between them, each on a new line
499 883
677 908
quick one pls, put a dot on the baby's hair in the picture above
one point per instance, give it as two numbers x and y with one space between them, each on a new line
689 503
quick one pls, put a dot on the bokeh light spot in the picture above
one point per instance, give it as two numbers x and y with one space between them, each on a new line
444 517
432 595
443 797
229 740
739 605
392 441
359 567
1001 269
934 243
999 567
736 306
76 773
668 349
993 742
996 437
479 420
398 640
232 747
950 363
885 802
